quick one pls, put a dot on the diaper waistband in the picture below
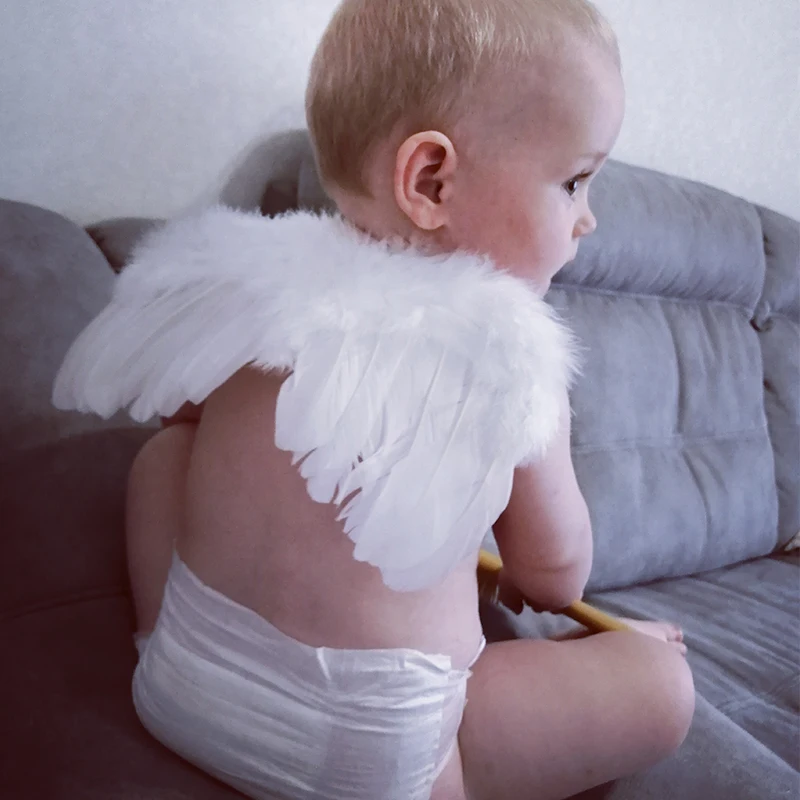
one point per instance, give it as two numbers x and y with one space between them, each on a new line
212 625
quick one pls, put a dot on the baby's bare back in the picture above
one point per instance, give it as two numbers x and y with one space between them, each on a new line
253 533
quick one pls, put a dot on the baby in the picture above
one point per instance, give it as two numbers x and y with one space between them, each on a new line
277 653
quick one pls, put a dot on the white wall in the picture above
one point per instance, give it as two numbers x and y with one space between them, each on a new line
141 108
714 93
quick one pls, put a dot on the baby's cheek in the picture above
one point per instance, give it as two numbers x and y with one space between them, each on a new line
513 242
553 236
533 245
509 235
489 231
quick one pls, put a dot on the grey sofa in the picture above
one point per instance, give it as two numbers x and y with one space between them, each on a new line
686 442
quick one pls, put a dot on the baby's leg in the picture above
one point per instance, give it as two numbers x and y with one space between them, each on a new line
548 720
154 515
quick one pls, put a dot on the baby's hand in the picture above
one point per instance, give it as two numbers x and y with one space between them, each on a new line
508 594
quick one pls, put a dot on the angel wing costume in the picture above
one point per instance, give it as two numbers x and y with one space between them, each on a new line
416 383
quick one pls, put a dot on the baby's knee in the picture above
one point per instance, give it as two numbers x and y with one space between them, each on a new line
669 692
677 696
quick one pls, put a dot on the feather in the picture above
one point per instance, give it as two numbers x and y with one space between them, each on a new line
416 384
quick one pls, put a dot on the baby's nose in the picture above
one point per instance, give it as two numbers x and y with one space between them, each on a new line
587 224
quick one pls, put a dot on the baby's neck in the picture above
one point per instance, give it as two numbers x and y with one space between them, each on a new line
368 216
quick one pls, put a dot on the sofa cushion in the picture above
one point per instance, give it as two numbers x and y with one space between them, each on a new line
53 280
718 761
61 511
68 725
777 320
740 625
669 237
670 443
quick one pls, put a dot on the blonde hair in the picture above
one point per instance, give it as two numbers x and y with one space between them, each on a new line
385 62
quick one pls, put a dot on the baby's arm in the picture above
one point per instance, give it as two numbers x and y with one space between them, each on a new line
545 534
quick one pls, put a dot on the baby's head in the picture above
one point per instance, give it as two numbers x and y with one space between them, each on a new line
468 124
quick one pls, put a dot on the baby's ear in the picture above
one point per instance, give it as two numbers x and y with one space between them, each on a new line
424 168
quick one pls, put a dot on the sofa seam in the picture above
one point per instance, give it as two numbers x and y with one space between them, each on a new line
581 288
675 442
783 317
64 602
772 693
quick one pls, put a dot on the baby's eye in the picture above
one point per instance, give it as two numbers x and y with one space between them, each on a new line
573 184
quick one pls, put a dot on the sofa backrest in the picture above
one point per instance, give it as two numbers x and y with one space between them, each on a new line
777 319
672 443
53 280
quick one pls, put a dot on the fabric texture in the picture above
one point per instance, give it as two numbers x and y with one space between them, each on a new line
740 625
223 687
671 441
68 725
736 621
718 761
53 280
777 321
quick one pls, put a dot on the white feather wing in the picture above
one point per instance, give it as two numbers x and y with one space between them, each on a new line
154 354
416 386
198 302
399 431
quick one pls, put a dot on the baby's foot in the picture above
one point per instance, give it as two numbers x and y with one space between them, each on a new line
665 631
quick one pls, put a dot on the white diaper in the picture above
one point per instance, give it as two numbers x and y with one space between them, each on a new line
271 716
